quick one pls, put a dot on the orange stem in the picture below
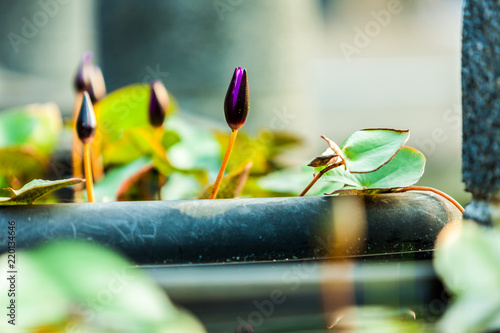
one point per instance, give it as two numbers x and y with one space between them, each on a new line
438 192
88 171
76 150
229 148
318 176
161 178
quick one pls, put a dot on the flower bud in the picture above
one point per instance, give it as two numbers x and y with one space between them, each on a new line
82 78
159 103
237 99
89 78
86 122
97 86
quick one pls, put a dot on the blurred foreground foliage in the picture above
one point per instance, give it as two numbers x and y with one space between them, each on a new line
73 286
468 261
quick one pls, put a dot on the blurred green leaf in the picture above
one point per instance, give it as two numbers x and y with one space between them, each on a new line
198 147
143 185
232 184
405 169
181 187
36 125
20 162
292 181
120 115
123 109
468 261
106 189
90 289
35 189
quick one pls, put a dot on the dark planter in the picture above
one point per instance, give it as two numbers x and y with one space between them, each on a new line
240 230
224 259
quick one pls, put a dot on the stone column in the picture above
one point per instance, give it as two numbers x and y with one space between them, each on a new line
481 109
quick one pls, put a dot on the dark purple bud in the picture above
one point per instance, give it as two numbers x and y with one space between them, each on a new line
237 99
86 122
159 104
82 78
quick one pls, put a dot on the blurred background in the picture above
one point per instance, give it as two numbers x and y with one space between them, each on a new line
315 67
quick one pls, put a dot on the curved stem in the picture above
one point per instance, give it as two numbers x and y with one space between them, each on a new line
444 195
88 171
318 176
229 148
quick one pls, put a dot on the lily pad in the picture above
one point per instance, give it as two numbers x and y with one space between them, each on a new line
35 189
405 169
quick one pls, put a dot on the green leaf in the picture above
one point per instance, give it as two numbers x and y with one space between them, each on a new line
92 289
467 259
232 184
106 189
405 169
369 149
36 125
198 147
36 189
121 114
181 187
123 109
20 162
292 181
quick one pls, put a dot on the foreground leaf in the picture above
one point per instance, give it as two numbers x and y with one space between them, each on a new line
35 189
467 259
91 289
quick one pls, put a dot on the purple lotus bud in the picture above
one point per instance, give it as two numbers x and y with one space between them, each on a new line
237 99
82 78
86 123
159 103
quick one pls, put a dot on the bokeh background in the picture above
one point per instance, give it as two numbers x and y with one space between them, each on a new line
315 67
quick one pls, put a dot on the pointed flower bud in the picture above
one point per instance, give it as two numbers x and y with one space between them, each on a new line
159 103
82 78
237 99
86 123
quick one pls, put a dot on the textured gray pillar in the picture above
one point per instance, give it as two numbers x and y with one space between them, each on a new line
481 107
